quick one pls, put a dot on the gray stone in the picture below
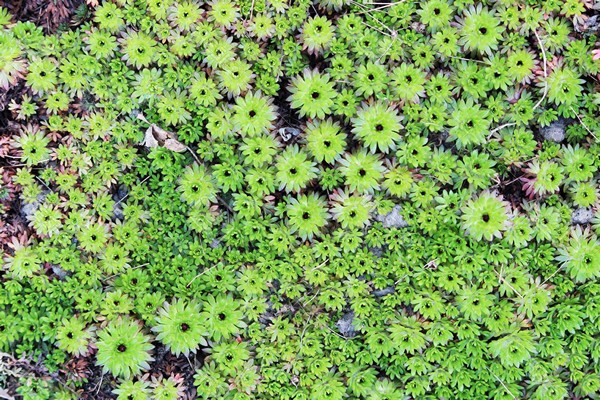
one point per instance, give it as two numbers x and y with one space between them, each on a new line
346 325
59 272
393 219
582 216
122 192
29 209
384 291
118 212
554 132
376 251
215 243
266 318
119 196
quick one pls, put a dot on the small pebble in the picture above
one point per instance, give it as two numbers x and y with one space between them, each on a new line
345 325
59 272
393 219
384 291
555 132
118 212
29 209
582 216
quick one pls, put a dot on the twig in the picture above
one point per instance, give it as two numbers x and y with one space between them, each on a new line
338 334
22 165
311 299
225 204
508 284
513 181
545 70
378 30
199 275
381 23
381 7
375 3
469 59
127 195
64 384
582 123
394 37
509 124
43 183
303 332
193 155
550 277
112 276
320 265
502 383
189 362
100 383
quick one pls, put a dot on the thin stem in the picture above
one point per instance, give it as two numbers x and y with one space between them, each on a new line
388 48
374 3
100 383
381 7
545 70
43 183
335 333
252 9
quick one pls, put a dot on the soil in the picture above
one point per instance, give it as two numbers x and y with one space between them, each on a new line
55 15
512 188
99 386
49 14
12 223
52 16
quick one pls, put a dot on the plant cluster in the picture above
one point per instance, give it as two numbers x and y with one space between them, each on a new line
317 199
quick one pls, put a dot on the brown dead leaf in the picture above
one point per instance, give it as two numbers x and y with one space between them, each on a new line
156 136
174 145
149 140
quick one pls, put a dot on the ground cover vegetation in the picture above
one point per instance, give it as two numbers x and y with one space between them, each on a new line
312 199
